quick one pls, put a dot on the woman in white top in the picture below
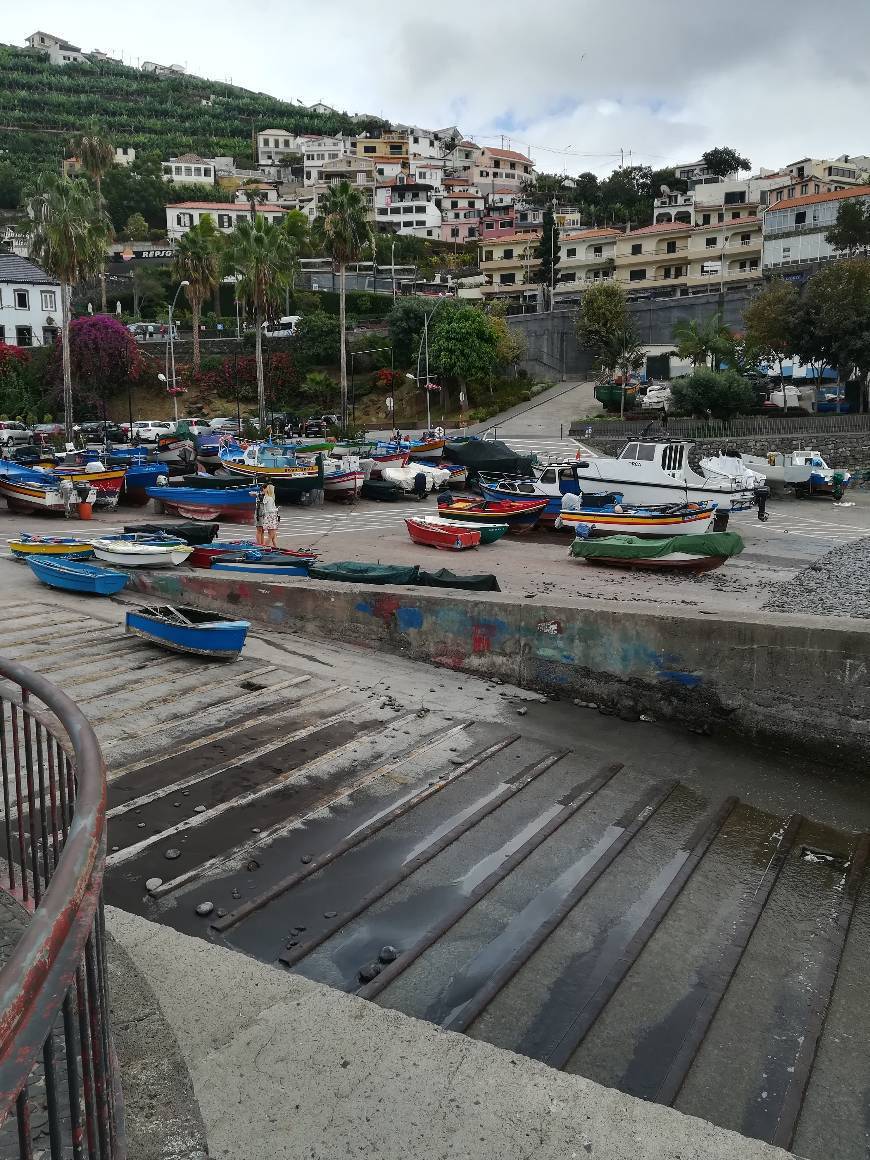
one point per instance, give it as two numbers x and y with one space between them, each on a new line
267 518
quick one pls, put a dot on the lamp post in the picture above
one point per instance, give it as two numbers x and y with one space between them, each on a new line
172 348
424 343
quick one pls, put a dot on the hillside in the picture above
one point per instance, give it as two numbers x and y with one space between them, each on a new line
42 106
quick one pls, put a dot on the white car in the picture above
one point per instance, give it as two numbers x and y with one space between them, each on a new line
215 424
11 433
150 430
658 395
284 328
197 426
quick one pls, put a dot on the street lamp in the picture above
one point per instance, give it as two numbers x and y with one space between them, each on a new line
172 347
424 342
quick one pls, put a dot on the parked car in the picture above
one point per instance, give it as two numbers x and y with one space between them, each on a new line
49 430
331 420
150 430
222 422
12 433
197 426
103 431
314 428
284 328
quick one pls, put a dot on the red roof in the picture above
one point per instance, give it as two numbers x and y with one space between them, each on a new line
510 154
662 227
223 206
604 232
509 238
467 145
814 198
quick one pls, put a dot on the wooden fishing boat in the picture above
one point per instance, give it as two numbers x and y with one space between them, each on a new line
213 482
520 515
688 553
189 630
266 565
236 505
630 520
206 555
76 576
142 551
489 533
177 448
449 538
27 545
342 478
107 484
276 463
138 477
31 495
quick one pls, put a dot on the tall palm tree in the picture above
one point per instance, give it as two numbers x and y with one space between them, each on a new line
700 341
342 229
196 262
258 254
68 237
96 154
254 195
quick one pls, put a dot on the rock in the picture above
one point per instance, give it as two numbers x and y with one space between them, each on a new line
251 865
388 954
236 892
294 942
369 972
115 849
153 884
176 804
255 829
172 853
220 912
204 908
140 825
199 809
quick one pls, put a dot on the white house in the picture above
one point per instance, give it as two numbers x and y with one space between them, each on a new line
318 152
189 169
163 70
125 155
185 214
30 307
273 144
58 50
406 206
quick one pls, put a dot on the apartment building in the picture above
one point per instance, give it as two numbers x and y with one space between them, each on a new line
185 214
390 146
810 177
406 206
508 263
502 166
673 258
461 212
319 152
275 144
794 229
585 257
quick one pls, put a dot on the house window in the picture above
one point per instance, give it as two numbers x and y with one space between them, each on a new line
206 171
24 336
637 248
49 300
637 276
720 217
513 165
596 251
753 265
184 219
735 215
508 279
711 242
454 231
743 265
671 248
369 149
496 164
800 217
505 225
395 209
383 212
489 226
804 189
22 302
197 171
816 188
2 333
745 239
487 255
705 219
666 272
188 171
224 221
49 335
571 253
508 253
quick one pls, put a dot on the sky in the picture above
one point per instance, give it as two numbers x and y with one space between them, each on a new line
574 81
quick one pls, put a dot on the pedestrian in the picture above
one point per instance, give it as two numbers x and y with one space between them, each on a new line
267 518
163 330
664 417
259 516
150 329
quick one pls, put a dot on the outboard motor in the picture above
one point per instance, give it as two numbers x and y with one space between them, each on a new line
762 495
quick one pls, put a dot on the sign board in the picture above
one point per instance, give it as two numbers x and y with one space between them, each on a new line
389 402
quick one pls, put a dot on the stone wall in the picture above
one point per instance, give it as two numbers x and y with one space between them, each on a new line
838 450
796 682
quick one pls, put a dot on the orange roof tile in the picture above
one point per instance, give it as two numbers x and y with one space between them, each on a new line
223 206
592 232
510 154
662 227
508 238
814 198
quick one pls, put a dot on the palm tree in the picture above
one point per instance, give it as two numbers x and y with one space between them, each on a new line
343 230
258 253
700 341
68 236
254 194
96 154
196 262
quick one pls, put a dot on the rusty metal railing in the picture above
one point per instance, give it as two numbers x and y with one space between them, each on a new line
59 1090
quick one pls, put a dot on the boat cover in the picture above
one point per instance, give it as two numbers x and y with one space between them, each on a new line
444 578
190 533
490 456
634 548
366 573
380 489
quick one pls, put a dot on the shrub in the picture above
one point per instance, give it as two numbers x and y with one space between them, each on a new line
719 394
317 341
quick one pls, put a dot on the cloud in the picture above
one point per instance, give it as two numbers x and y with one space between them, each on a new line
575 80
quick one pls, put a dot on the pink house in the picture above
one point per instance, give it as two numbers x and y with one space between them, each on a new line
462 207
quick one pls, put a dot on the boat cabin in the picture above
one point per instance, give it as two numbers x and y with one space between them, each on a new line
670 457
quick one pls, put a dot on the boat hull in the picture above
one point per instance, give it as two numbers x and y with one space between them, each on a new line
156 558
489 533
71 549
343 485
519 516
222 640
616 524
24 497
449 539
676 561
233 505
76 576
107 484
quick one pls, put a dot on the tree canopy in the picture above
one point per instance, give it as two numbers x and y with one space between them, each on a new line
769 320
851 231
719 394
723 161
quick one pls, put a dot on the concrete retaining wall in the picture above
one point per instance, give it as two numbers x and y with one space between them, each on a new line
796 681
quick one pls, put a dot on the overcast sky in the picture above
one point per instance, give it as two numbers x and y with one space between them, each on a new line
574 80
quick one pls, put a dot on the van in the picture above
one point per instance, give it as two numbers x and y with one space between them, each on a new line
283 328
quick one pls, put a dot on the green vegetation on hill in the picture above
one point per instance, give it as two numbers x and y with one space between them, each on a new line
42 106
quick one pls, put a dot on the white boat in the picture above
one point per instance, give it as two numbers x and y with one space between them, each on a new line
736 467
343 476
801 469
643 473
141 551
404 477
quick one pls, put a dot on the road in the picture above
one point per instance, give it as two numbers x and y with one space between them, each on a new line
591 892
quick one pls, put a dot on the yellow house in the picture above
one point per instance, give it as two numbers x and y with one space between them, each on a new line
508 263
672 258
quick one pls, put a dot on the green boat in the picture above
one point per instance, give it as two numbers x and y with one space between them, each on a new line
689 553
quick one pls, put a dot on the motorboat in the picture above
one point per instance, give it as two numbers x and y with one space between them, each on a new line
736 466
141 551
806 471
607 515
647 474
278 464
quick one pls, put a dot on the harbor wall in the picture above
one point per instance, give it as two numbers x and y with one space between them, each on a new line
797 682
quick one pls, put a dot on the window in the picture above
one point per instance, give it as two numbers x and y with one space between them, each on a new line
720 217
513 165
395 150
735 215
816 188
746 239
188 171
666 272
805 188
197 171
571 253
671 248
548 476
2 333
711 242
225 221
705 219
628 452
24 335
369 149
487 255
206 171
49 300
637 276
395 209
508 253
185 220
743 265
505 224
508 279
596 251
753 265
489 226
800 217
496 164
49 335
382 212
454 231
637 248
22 300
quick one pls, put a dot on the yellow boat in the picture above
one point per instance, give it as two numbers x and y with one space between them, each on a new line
27 545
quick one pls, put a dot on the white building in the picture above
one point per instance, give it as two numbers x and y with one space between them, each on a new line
318 152
58 50
189 169
405 206
185 214
30 305
124 155
274 144
794 228
163 70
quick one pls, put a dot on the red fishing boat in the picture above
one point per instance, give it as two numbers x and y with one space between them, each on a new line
520 515
451 538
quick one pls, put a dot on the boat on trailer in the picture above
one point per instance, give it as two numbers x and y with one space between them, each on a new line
76 575
189 630
450 538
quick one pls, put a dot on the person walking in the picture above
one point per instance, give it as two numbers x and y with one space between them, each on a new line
267 518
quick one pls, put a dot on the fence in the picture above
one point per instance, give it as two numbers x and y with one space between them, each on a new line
59 1094
749 426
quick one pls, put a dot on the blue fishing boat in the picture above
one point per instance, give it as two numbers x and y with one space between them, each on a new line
138 478
232 504
76 576
263 564
189 630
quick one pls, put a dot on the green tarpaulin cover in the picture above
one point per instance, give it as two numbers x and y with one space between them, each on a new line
366 573
635 548
475 582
